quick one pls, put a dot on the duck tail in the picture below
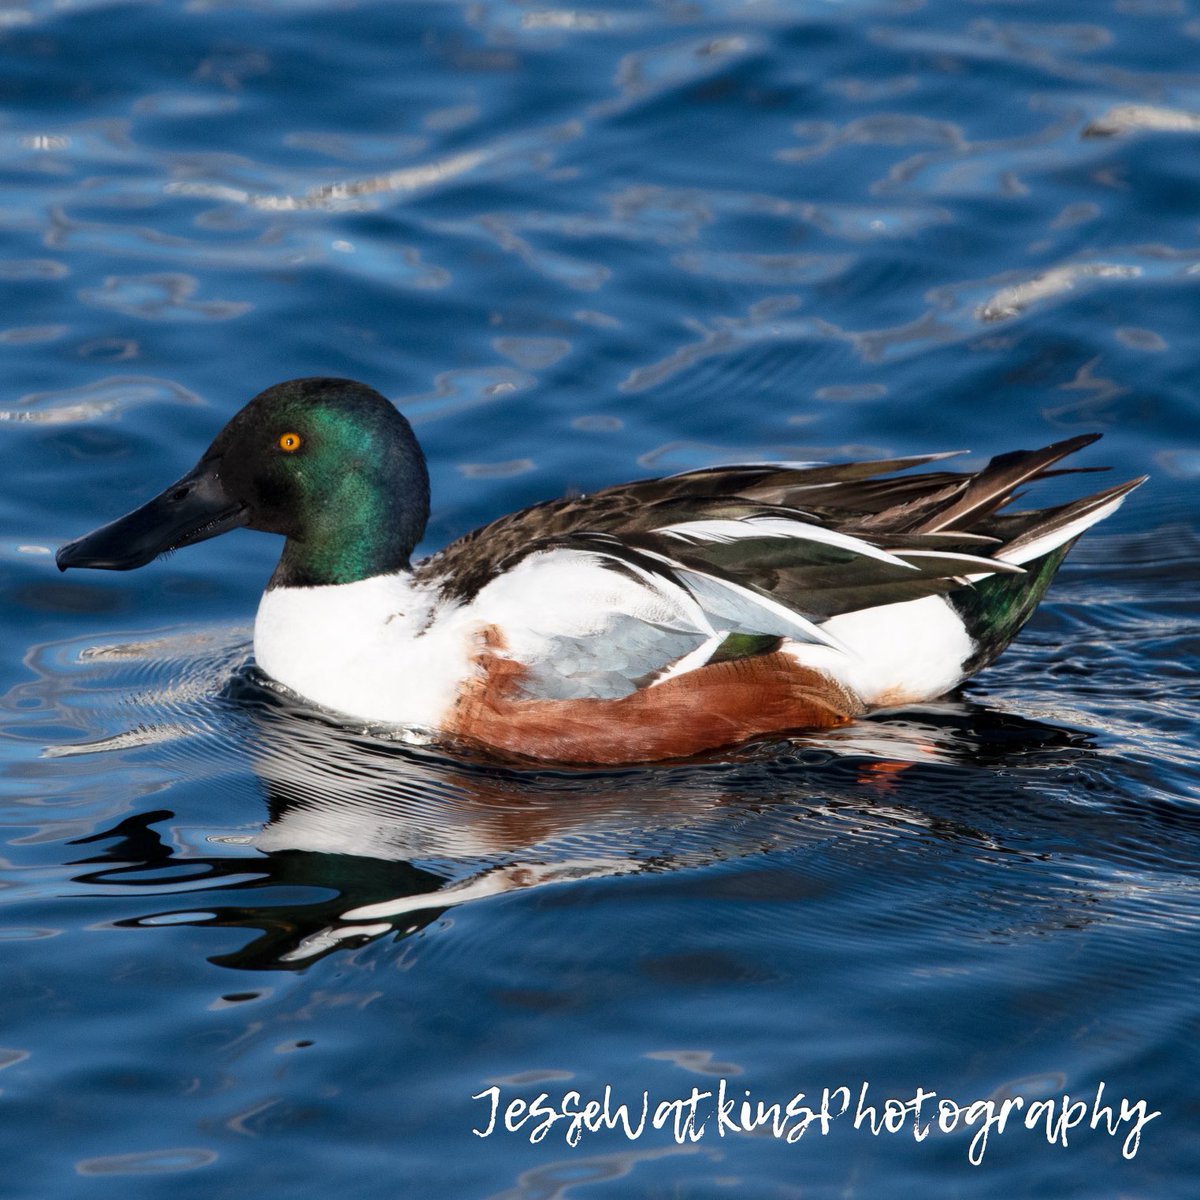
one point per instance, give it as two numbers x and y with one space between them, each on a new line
994 609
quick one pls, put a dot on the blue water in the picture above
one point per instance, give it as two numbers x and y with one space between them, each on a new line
579 246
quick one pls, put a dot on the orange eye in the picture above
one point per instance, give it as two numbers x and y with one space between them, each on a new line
290 442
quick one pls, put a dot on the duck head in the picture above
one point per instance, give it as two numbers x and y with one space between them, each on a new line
328 463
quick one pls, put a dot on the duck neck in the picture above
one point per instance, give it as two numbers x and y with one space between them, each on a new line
362 528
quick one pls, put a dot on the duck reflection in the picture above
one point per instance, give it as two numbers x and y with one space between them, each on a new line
368 837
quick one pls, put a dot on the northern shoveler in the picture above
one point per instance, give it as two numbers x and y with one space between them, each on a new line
648 621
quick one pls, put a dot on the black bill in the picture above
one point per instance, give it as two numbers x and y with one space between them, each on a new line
191 510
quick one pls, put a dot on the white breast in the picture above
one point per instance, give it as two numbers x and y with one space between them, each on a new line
366 649
387 649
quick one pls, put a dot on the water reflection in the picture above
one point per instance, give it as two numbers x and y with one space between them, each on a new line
366 836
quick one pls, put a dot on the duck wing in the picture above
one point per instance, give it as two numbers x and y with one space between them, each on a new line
822 539
729 560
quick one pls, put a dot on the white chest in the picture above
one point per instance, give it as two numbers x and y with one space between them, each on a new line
366 649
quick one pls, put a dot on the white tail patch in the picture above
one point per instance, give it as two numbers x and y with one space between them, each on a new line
900 653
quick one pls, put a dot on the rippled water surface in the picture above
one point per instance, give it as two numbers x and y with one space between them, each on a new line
248 952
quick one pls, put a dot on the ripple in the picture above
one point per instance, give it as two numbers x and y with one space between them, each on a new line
770 269
663 68
696 1062
143 735
148 1162
89 141
1140 339
1013 300
598 423
1012 294
33 268
23 335
532 353
497 470
1180 463
357 147
956 165
883 129
549 21
556 1180
674 215
456 391
678 456
395 266
859 223
113 394
850 393
1128 118
457 116
505 155
254 249
561 268
95 688
344 194
109 349
163 297
184 105
770 319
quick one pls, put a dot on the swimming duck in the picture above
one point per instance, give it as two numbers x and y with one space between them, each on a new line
648 621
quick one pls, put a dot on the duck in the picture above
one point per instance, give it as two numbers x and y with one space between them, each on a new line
654 620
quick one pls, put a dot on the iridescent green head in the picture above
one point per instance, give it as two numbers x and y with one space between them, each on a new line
328 463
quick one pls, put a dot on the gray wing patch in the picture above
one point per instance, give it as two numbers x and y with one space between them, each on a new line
626 656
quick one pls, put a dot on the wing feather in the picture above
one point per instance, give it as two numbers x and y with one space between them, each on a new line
766 550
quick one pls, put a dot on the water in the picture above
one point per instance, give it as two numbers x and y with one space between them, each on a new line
248 952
